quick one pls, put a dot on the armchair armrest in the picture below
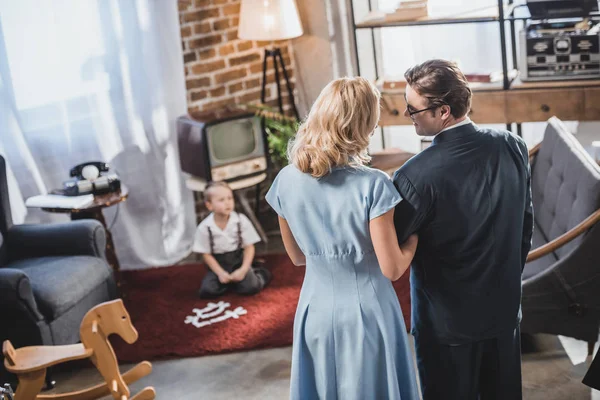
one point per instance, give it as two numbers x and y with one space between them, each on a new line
83 237
16 293
565 238
534 150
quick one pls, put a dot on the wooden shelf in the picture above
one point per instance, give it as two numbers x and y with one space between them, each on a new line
518 84
575 100
486 14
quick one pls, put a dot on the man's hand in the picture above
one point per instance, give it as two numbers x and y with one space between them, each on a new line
225 278
239 274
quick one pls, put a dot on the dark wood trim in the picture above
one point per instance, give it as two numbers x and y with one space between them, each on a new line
565 238
534 150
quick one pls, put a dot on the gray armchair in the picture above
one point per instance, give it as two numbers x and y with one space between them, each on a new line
50 276
561 280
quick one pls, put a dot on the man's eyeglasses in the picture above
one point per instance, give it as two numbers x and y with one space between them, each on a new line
411 113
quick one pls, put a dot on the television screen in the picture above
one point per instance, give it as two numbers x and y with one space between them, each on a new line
232 140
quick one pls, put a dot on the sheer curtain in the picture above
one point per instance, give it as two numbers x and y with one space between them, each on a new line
98 80
474 46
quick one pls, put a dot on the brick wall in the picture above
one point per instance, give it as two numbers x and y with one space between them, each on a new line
221 69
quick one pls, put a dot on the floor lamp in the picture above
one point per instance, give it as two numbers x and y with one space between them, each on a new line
270 20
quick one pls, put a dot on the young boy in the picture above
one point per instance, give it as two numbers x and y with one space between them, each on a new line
226 241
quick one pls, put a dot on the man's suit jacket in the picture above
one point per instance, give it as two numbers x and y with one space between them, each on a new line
468 197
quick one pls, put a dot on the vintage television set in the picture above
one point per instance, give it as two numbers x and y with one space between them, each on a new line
221 146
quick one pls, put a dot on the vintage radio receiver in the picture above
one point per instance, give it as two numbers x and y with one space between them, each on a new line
560 50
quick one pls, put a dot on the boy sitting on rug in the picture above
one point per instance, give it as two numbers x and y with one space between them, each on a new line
226 241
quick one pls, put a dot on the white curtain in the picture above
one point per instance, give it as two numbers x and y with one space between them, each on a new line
474 46
84 80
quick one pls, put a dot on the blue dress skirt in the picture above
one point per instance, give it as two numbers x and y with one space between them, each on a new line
350 340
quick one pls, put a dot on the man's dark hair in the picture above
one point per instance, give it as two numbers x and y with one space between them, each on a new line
441 82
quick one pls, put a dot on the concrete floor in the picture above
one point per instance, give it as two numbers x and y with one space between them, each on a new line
548 374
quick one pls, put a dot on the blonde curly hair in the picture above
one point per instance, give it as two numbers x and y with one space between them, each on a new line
338 127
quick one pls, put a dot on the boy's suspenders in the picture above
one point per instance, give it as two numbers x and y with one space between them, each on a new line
211 238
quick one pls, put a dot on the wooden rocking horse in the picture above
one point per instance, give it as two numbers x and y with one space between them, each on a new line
30 363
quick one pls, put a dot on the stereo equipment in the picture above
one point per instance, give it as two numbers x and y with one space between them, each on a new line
559 50
552 9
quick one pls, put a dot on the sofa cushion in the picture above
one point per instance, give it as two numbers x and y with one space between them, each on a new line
542 263
59 283
565 184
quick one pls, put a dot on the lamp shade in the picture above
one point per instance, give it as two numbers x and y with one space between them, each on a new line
269 20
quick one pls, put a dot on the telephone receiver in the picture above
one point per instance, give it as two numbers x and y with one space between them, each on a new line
89 170
91 177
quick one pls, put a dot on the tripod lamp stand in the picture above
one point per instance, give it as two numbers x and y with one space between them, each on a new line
270 20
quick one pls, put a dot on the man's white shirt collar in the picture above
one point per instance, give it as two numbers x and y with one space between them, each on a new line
461 123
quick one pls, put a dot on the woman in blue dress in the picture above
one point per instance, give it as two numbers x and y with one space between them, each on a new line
337 217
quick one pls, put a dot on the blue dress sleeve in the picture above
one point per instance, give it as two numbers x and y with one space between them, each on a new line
384 196
273 197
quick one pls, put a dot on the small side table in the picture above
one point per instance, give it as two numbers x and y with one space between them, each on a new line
94 211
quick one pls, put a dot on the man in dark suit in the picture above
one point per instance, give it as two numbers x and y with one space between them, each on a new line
468 198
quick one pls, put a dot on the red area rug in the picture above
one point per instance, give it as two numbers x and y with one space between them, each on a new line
160 300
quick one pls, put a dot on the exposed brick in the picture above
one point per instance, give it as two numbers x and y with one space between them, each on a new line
207 54
217 104
202 15
230 75
232 9
201 28
221 24
183 45
252 96
208 67
197 83
218 92
232 35
252 83
189 57
236 87
183 5
199 95
258 67
244 59
244 45
271 74
193 110
205 41
186 31
211 46
226 49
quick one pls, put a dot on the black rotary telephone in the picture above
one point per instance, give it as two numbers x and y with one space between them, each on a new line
91 177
